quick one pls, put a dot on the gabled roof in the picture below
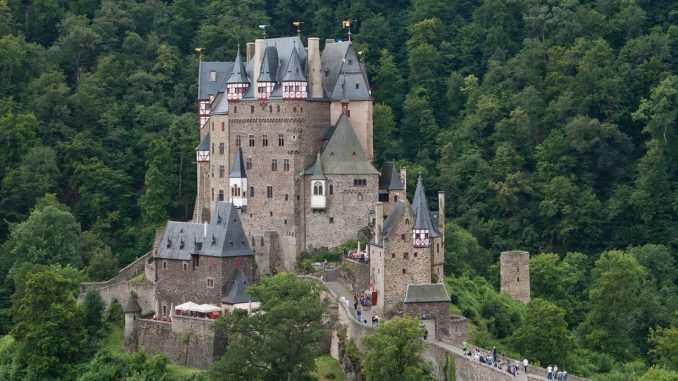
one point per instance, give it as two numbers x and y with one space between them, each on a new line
343 74
318 169
206 87
344 155
238 170
238 73
426 293
391 221
390 178
222 237
204 144
294 71
219 104
331 62
236 289
422 215
269 66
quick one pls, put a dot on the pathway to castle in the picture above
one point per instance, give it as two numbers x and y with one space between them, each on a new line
339 289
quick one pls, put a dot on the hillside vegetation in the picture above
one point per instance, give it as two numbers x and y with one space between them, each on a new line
551 125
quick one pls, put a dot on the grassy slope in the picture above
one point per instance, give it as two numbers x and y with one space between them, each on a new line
327 364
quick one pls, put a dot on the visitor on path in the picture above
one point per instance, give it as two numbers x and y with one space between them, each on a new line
463 346
494 353
564 375
525 363
555 372
549 373
355 306
359 313
517 366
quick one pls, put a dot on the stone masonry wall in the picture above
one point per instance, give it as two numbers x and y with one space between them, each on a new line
356 274
515 274
186 341
469 370
458 331
348 210
437 311
120 291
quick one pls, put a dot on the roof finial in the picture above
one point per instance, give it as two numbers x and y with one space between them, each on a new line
262 27
298 25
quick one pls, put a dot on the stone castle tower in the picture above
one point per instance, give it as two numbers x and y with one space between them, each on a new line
515 274
286 136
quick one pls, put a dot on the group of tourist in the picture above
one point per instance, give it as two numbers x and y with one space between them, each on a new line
364 302
493 359
553 373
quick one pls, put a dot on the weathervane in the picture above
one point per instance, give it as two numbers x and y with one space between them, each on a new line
298 25
347 25
262 27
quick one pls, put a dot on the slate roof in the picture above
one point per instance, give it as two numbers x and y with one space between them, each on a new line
204 144
222 237
342 71
269 65
422 215
390 178
327 133
426 293
132 305
238 72
207 87
318 169
238 170
344 155
236 289
219 105
294 72
390 222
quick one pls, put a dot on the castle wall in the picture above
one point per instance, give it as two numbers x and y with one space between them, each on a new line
347 211
377 274
187 341
220 163
357 274
515 274
177 285
438 311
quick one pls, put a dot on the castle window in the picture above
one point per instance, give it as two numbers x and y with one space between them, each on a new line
327 73
357 85
270 214
402 237
212 126
404 271
301 109
360 196
269 191
254 242
237 141
286 164
270 108
210 282
517 269
294 109
264 140
251 140
235 109
281 140
248 163
251 192
251 109
230 243
285 222
222 126
212 194
437 247
274 164
415 255
359 182
222 170
331 189
262 241
395 198
185 265
407 221
213 151
164 310
392 255
518 280
278 108
318 189
331 220
221 148
213 76
406 256
383 197
196 260
286 196
164 265
221 195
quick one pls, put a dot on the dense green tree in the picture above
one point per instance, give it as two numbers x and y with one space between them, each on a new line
108 366
393 352
665 347
160 185
613 297
543 336
385 140
275 344
48 236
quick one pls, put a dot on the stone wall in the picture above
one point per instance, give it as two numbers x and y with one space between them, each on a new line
515 274
438 311
469 370
357 275
458 331
187 341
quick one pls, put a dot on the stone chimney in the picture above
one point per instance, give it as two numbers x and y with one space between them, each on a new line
403 178
378 222
259 48
314 78
249 52
441 212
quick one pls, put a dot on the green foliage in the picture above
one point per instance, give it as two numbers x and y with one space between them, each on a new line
292 320
93 311
393 351
107 366
665 351
543 336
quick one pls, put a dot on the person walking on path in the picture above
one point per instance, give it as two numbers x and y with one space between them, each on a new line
463 346
525 363
549 373
494 353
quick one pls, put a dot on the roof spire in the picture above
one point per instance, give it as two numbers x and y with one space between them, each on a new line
238 73
318 169
238 170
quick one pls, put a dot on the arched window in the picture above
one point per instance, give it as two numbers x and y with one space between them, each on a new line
315 189
407 221
320 190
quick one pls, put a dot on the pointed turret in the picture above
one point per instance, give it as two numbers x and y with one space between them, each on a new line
294 82
269 69
202 151
423 228
238 181
237 82
318 185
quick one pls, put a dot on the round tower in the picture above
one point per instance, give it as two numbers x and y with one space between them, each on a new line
132 312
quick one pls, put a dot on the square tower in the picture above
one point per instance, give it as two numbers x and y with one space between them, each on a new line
515 274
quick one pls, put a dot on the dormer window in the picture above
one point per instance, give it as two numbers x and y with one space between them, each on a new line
169 243
214 240
218 219
181 245
350 62
213 76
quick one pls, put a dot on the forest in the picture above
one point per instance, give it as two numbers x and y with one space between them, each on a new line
551 125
